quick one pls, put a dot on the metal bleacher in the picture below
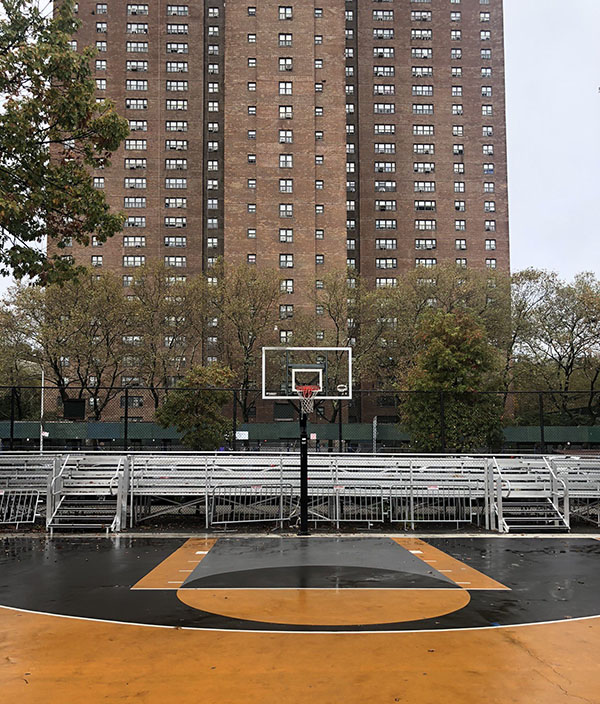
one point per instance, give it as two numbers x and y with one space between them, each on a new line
114 491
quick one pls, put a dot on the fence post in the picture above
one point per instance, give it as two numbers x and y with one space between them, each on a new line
412 499
542 427
123 494
486 494
126 421
374 434
340 439
234 423
11 441
499 504
206 495
131 490
442 422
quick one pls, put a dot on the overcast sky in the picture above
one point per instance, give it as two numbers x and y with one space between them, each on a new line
553 115
553 106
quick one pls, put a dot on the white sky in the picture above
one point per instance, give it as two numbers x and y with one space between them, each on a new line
553 116
553 121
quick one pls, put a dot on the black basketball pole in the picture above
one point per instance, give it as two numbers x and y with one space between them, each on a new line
303 474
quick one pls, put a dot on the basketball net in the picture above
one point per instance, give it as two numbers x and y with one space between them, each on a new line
306 394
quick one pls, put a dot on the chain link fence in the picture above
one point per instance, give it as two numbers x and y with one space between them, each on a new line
375 420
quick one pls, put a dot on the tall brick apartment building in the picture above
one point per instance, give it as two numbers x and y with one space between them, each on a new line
304 136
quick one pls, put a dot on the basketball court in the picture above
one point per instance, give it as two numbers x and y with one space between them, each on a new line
323 619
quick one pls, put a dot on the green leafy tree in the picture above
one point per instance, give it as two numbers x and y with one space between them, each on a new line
52 134
195 407
454 365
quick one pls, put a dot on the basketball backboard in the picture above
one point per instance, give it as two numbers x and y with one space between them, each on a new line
285 369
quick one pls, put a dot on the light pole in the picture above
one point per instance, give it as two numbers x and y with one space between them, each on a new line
42 414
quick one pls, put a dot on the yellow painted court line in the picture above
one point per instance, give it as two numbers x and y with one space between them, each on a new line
461 574
161 577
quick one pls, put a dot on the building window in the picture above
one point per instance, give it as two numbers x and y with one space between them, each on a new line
460 244
386 243
388 263
175 241
134 260
134 241
490 263
286 310
425 244
386 282
175 261
490 245
286 261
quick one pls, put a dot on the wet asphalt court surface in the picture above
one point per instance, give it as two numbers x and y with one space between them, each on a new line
547 579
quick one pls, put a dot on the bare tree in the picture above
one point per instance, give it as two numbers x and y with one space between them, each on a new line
75 332
244 302
168 317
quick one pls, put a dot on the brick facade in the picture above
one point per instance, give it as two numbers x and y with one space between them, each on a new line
386 106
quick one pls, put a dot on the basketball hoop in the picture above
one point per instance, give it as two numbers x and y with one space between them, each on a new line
306 394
